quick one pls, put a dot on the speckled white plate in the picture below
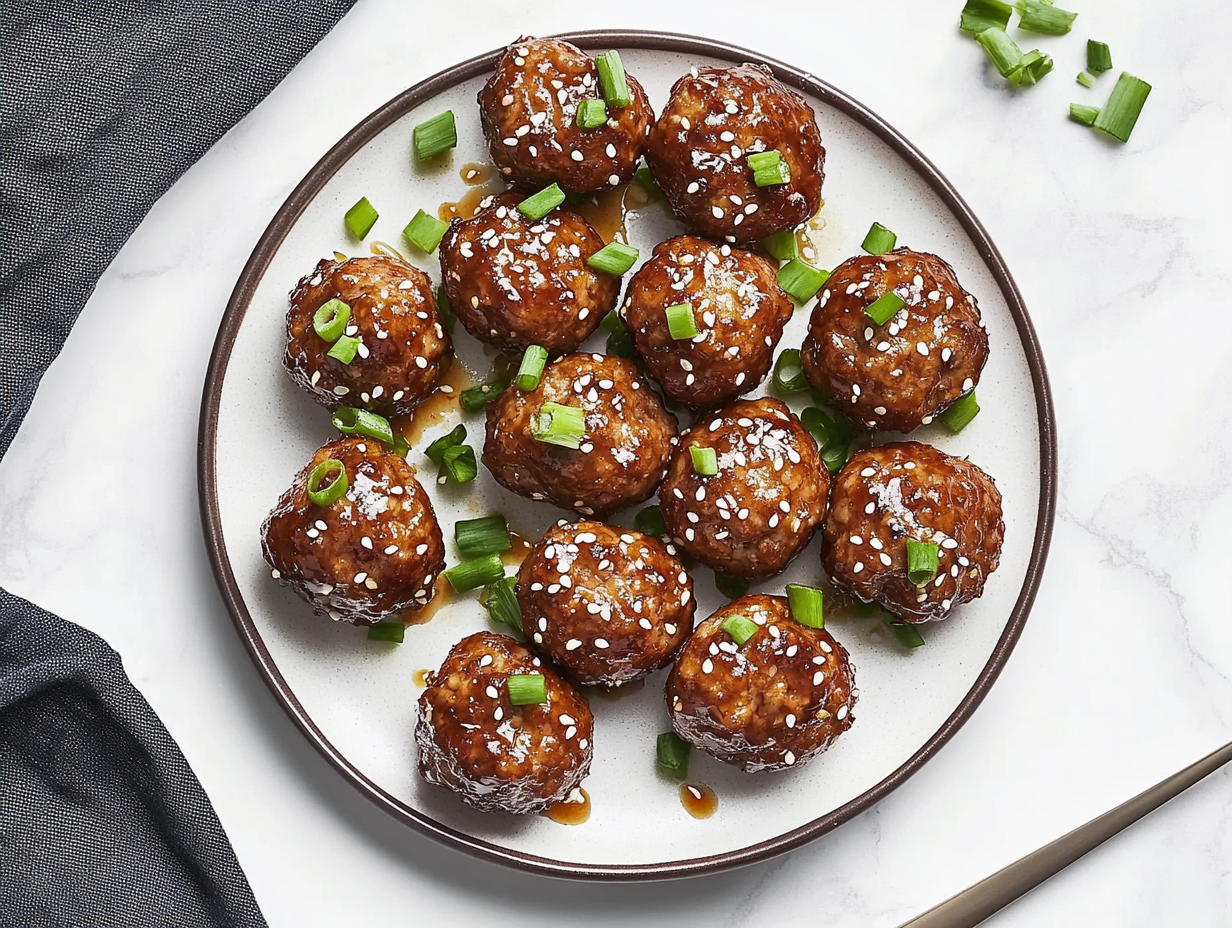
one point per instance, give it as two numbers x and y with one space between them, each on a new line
355 700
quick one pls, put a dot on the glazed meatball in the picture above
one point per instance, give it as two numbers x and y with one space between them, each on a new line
374 551
529 111
898 375
737 306
760 509
606 604
698 153
907 490
497 756
623 454
515 282
403 349
771 703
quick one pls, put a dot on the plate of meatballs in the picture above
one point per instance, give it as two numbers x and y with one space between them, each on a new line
626 456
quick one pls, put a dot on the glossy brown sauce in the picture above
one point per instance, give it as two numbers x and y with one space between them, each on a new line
387 250
573 811
443 596
443 402
339 257
606 212
468 204
475 173
420 677
698 801
518 551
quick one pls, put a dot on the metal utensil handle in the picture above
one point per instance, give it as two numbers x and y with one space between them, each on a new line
991 894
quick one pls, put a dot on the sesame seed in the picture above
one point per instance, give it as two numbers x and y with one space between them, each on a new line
644 623
842 713
859 566
572 644
614 179
361 577
576 155
818 677
707 665
870 508
717 212
885 559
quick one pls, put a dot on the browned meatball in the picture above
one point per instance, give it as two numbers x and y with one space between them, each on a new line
403 349
771 703
737 306
529 111
372 552
515 282
622 457
908 490
714 120
607 604
497 756
898 375
760 509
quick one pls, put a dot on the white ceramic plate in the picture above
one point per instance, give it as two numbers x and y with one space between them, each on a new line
356 699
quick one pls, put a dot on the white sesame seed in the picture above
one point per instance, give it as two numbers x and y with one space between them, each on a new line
859 566
361 577
717 212
707 665
572 644
576 155
870 508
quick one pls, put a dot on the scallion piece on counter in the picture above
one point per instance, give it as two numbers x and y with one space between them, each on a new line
330 320
435 135
360 218
488 535
769 168
649 521
393 631
613 258
882 309
979 15
351 421
1083 114
672 755
788 372
680 321
1002 51
731 587
436 450
531 369
591 114
527 689
879 240
782 245
806 605
801 281
424 232
344 349
705 461
476 572
1034 65
1120 113
458 464
1044 18
327 482
904 634
540 204
645 177
740 627
476 398
921 561
502 604
960 413
555 424
612 80
619 338
1099 57
1085 79
444 310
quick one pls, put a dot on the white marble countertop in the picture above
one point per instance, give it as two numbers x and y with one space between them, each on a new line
1124 672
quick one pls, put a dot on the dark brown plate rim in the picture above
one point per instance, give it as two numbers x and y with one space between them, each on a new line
268 245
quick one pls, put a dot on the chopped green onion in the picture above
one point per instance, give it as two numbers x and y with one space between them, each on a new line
672 755
645 177
560 425
731 587
393 630
1085 79
619 338
350 421
1083 114
324 485
591 114
612 79
835 456
542 203
527 689
921 561
769 168
1033 66
788 362
360 218
960 413
488 535
531 369
330 320
1044 18
476 398
1120 113
425 232
344 349
1099 57
835 436
502 604
905 634
680 321
879 240
705 461
1003 51
801 281
613 258
436 450
458 465
782 245
883 309
649 521
444 310
978 15
476 572
435 135
805 603
740 627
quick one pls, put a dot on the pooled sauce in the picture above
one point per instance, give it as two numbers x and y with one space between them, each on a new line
420 677
605 211
441 403
482 184
698 801
517 552
475 173
339 257
389 251
573 811
443 596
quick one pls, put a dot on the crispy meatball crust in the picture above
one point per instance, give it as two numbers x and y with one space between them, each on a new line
771 703
899 375
711 124
606 604
529 112
403 351
737 305
515 282
623 456
760 509
374 551
885 495
497 756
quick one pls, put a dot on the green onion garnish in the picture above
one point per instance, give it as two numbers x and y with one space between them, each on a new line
435 135
731 587
393 631
1043 17
769 168
649 521
921 561
680 321
327 482
436 450
1083 114
527 689
879 240
782 245
619 338
740 627
542 203
560 425
960 413
478 571
344 349
645 177
476 398
905 634
614 258
360 218
672 755
488 535
1120 113
459 465
1085 79
788 372
1099 57
835 456
444 310
350 421
1033 66
502 604
591 114
1003 51
612 79
801 281
882 309
978 15
531 369
835 436
330 320
805 603
705 461
425 232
